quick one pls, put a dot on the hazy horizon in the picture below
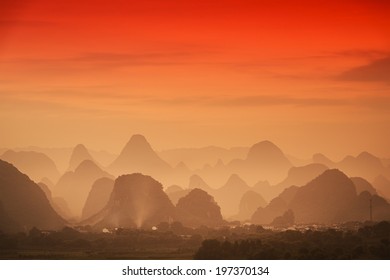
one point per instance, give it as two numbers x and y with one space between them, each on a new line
116 151
308 76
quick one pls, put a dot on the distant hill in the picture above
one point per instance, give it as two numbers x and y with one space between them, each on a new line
228 196
364 165
249 202
175 192
382 185
264 161
23 203
197 182
322 159
98 197
329 198
297 176
137 201
74 186
198 208
325 199
79 154
138 156
58 204
35 165
362 185
196 158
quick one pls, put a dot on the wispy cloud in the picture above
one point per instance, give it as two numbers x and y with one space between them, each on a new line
252 101
369 53
375 71
103 61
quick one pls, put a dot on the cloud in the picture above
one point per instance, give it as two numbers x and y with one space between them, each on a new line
370 53
375 71
250 101
103 61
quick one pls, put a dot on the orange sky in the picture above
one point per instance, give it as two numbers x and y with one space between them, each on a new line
311 76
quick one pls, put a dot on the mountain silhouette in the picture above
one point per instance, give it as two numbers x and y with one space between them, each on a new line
362 185
360 209
229 195
58 203
286 220
179 175
297 176
98 197
74 186
196 182
23 202
382 185
321 159
329 198
265 161
79 154
265 215
138 156
35 165
249 202
325 199
137 201
175 192
196 158
199 208
364 165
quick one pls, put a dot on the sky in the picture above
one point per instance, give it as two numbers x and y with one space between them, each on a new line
310 76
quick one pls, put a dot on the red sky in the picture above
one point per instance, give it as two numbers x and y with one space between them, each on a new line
311 76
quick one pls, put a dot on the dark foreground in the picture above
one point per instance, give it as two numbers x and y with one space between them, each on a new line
176 242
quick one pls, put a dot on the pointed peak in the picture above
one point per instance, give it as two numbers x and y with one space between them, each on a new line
196 181
80 147
137 145
79 154
234 179
196 177
333 176
265 150
87 166
321 158
80 151
138 139
366 156
266 144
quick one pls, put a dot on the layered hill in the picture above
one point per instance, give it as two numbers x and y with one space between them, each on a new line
138 156
137 201
330 198
265 161
23 204
35 165
364 165
175 192
79 154
198 208
297 176
74 186
249 203
228 196
98 197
